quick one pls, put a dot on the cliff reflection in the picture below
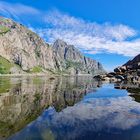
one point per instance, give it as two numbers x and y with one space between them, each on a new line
23 99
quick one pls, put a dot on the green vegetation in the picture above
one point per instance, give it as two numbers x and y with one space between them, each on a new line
5 66
36 69
37 53
37 97
59 107
8 128
37 80
4 29
5 85
70 64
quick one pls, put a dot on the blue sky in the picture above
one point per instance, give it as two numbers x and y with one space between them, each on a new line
106 30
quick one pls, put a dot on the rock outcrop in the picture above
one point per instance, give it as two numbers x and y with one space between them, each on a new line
71 60
23 47
24 51
130 70
131 65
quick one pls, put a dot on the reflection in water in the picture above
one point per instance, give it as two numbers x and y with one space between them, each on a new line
133 89
23 99
61 109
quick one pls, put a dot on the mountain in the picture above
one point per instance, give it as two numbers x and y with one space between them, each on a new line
24 48
134 63
22 51
71 60
131 65
130 71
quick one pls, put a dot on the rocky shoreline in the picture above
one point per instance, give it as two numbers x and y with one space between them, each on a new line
123 73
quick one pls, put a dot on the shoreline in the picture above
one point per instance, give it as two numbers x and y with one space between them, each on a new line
44 74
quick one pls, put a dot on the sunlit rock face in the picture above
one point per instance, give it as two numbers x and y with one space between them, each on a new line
130 70
134 63
26 49
73 62
24 99
23 47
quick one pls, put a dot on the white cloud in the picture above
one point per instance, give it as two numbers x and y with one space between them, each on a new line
16 10
89 36
62 21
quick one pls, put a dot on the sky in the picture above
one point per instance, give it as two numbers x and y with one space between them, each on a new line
105 30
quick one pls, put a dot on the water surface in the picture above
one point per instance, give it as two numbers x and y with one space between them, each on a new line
68 108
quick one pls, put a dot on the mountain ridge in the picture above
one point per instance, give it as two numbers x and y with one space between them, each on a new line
27 52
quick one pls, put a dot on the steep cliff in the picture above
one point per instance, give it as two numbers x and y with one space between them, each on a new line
72 61
21 51
23 47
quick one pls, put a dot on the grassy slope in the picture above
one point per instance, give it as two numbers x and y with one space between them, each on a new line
4 29
5 66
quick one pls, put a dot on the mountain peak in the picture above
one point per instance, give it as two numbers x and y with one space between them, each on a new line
59 43
20 46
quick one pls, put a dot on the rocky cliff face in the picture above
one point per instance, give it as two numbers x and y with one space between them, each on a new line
21 50
130 70
131 65
134 63
23 47
71 61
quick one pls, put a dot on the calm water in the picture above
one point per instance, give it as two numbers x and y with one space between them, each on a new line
77 108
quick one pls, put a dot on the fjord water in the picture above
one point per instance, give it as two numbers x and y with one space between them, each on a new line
68 108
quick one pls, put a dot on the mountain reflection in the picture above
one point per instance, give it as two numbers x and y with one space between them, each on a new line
68 108
106 113
23 99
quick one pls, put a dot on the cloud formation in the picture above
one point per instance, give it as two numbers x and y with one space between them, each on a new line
16 10
90 37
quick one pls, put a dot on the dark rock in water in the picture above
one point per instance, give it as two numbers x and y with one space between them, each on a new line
106 77
133 89
111 74
120 77
98 77
25 49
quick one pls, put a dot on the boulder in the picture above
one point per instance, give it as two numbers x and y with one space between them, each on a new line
119 77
